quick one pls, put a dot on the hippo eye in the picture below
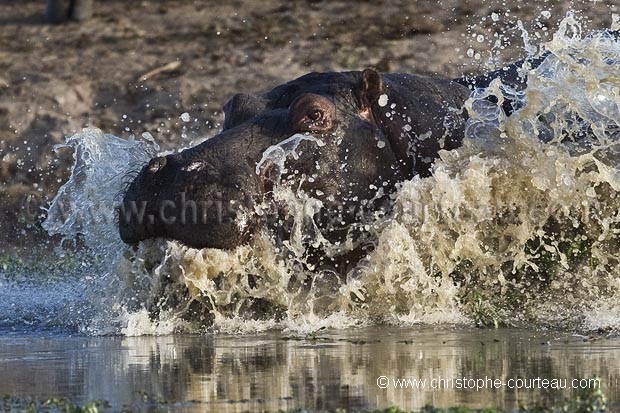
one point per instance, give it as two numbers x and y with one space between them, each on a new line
312 113
315 115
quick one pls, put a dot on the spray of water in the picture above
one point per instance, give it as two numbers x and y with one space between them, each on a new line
517 227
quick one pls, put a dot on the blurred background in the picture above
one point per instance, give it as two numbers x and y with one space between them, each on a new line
166 67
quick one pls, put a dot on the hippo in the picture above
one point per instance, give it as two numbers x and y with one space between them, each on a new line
356 135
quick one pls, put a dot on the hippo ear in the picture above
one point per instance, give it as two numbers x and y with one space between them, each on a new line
371 87
242 107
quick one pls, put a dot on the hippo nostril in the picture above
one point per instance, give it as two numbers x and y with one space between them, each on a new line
156 164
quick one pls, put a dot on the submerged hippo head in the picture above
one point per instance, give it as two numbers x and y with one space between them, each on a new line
368 132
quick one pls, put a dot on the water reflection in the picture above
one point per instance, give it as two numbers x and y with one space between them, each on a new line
275 371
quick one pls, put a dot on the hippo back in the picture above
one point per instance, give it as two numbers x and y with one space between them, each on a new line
421 116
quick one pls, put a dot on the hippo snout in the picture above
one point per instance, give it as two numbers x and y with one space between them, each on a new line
187 198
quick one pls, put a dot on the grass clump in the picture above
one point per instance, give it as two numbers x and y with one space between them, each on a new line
52 405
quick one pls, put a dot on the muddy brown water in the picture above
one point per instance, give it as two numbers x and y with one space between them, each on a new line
334 369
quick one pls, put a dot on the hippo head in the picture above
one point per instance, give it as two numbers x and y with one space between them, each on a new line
365 133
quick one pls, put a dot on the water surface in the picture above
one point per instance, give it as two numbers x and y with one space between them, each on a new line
271 371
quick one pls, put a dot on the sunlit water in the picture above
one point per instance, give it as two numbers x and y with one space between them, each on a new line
271 371
518 228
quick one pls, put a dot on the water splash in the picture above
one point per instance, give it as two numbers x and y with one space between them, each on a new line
85 205
278 154
517 227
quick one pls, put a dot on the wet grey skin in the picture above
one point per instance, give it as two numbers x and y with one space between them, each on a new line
370 143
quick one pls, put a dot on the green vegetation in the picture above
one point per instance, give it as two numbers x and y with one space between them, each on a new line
430 409
555 259
589 401
51 267
60 405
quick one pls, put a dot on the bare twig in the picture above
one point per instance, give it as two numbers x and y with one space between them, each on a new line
169 67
